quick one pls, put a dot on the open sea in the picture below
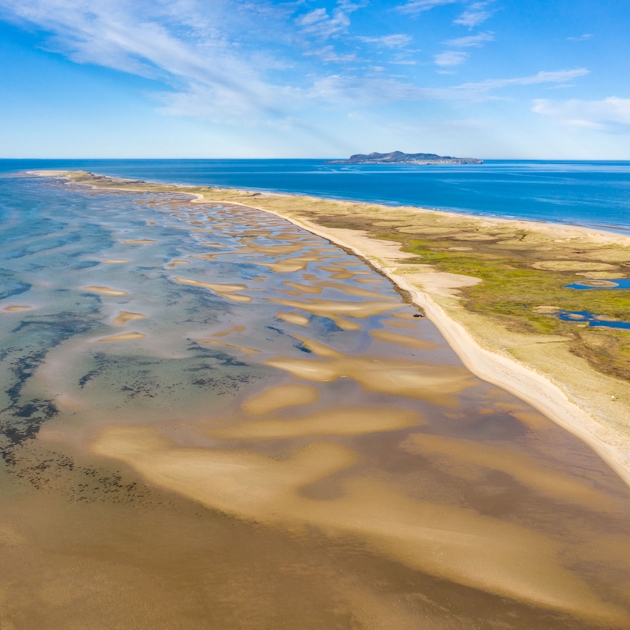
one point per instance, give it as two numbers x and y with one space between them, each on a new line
582 193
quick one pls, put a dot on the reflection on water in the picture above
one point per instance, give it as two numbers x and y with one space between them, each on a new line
268 439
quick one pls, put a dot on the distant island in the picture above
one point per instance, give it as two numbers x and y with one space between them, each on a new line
398 157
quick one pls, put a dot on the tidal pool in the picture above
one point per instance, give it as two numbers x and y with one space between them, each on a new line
268 439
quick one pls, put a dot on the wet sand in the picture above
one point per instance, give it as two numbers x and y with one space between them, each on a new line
319 467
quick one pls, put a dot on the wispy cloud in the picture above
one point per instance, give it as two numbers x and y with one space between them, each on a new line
470 41
388 41
328 54
610 114
320 24
475 14
450 58
559 76
581 38
414 7
366 91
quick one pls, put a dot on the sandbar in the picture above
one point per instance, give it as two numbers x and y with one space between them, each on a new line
216 342
280 397
16 307
127 316
351 421
449 542
293 318
403 340
104 290
124 337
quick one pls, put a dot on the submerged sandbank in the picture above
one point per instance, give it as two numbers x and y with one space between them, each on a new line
540 369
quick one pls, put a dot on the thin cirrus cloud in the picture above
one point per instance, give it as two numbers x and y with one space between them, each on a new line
475 14
611 114
388 41
352 90
450 58
581 38
471 41
414 7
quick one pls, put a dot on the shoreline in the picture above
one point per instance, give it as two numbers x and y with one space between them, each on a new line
488 361
265 192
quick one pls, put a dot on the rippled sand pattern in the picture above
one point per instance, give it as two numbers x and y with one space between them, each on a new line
273 440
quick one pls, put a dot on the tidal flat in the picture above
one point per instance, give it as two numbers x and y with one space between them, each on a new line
221 463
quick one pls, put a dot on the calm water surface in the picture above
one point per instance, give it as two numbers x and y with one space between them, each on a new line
214 419
585 193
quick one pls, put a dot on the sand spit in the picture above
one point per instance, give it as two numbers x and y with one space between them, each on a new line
280 397
430 382
127 316
452 543
469 459
116 261
175 263
104 290
124 337
17 307
404 340
353 421
216 342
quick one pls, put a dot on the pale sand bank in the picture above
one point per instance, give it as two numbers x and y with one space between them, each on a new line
16 308
127 316
104 290
216 342
280 397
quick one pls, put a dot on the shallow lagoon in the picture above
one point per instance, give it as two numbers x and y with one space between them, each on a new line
212 418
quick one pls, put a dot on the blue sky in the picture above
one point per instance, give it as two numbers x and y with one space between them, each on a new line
312 78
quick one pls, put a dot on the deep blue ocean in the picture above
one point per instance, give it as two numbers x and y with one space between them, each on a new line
582 193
